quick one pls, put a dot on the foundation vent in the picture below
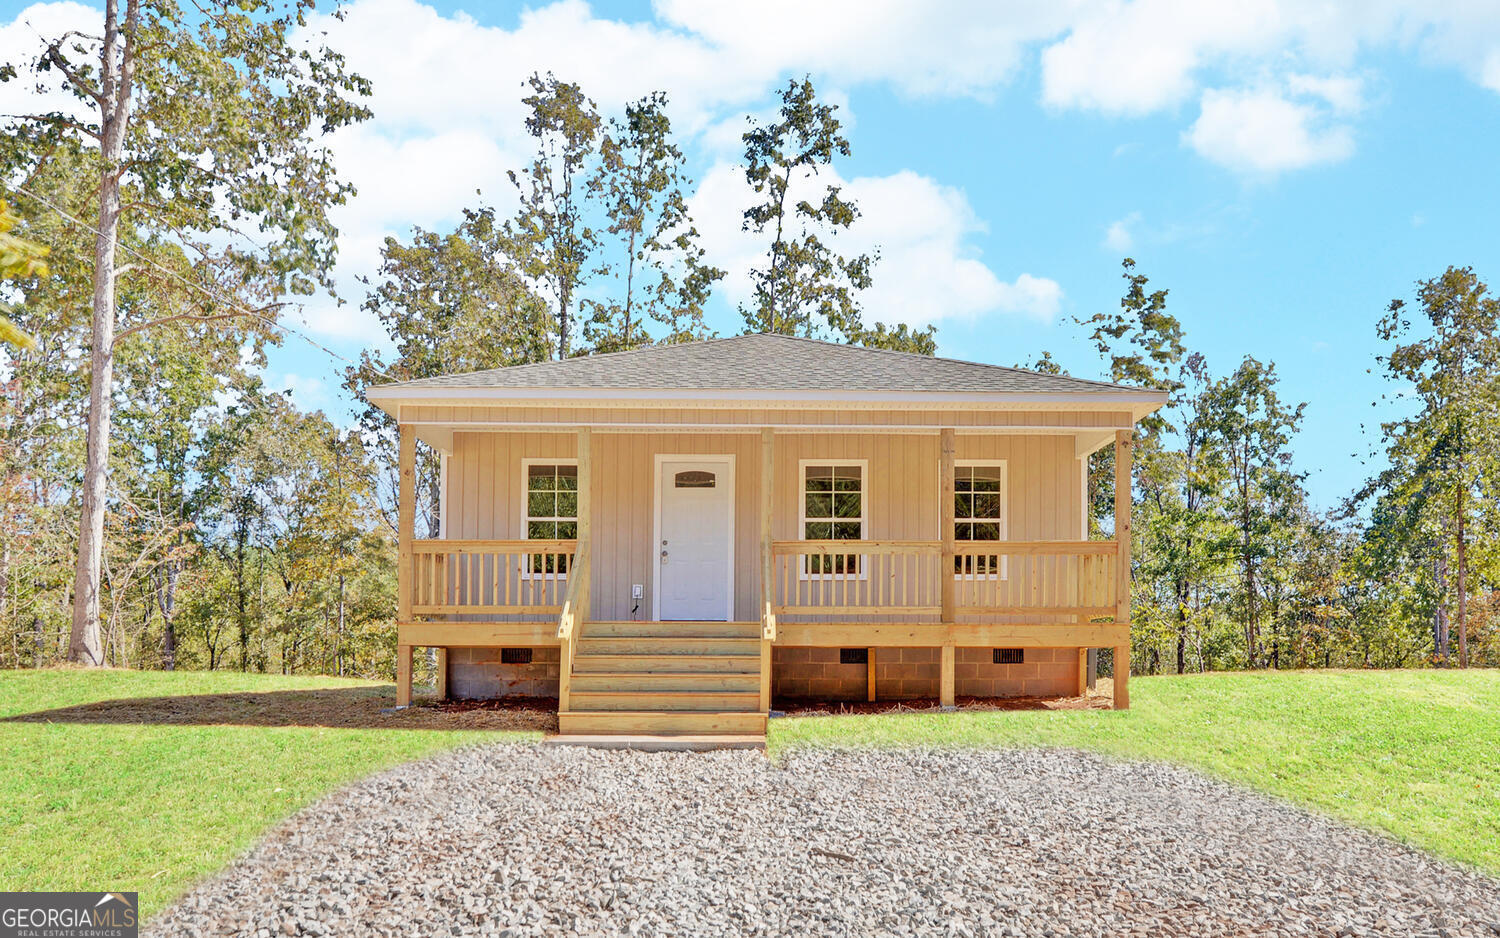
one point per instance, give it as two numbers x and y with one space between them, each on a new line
1010 656
854 656
515 656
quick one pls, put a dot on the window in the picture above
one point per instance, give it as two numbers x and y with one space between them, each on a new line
694 479
979 515
833 509
551 511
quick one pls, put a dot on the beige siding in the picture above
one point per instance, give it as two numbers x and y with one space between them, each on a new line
1044 497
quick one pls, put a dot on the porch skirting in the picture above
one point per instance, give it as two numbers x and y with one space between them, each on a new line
806 673
910 673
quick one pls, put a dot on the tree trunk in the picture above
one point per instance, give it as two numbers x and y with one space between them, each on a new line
85 644
1440 614
1182 626
1463 574
166 600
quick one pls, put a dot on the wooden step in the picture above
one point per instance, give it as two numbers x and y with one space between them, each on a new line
666 700
670 630
668 646
626 722
664 680
683 742
584 663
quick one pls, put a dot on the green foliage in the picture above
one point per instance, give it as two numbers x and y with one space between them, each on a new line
551 233
19 259
900 338
663 276
803 287
1434 509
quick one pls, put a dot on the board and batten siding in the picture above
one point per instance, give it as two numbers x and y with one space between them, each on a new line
485 493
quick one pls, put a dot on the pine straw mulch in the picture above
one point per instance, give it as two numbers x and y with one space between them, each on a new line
1097 699
341 708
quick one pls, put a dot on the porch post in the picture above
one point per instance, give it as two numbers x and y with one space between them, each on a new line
948 447
1124 445
767 563
406 522
585 520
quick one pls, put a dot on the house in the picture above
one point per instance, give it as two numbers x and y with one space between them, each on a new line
667 539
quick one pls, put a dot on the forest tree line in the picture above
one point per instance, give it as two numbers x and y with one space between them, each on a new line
160 507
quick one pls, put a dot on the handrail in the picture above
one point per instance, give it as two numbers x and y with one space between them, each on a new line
442 545
575 604
886 577
449 577
783 548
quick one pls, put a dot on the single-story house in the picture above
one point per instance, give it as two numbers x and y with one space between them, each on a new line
668 539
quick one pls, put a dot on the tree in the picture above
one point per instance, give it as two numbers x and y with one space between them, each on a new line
197 125
1444 475
1252 431
898 338
449 303
19 258
803 287
640 180
551 233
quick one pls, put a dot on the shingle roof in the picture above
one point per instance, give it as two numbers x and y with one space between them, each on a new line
763 362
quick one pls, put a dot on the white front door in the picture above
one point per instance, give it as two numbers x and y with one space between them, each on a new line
695 539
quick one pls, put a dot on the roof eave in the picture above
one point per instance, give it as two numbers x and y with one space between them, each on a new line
389 397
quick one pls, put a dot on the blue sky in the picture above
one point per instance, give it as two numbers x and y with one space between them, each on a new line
1285 169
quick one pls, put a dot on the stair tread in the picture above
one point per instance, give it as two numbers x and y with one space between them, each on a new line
682 692
651 674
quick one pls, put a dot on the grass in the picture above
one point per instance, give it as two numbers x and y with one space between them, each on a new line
146 798
147 781
1415 754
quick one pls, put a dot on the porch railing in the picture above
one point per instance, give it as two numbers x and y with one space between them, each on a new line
516 577
842 578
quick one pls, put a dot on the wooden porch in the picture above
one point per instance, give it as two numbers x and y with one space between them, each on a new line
716 677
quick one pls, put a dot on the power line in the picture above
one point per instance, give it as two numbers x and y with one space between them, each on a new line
206 291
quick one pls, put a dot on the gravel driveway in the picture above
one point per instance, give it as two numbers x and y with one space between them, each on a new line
524 840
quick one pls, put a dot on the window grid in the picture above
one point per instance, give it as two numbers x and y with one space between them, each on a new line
978 515
551 512
833 509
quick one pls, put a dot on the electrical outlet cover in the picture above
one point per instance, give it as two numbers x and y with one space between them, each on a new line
637 591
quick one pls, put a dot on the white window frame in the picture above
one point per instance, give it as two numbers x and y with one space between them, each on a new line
1004 572
525 515
864 512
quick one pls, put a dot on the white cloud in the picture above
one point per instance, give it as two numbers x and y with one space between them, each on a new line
1342 93
1263 132
1118 237
1140 57
21 43
927 271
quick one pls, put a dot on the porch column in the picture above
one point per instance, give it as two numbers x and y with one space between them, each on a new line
1124 445
585 520
767 563
948 451
406 523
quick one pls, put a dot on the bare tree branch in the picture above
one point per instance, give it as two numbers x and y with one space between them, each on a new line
194 317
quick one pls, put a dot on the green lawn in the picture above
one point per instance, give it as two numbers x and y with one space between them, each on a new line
178 773
147 801
1413 753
